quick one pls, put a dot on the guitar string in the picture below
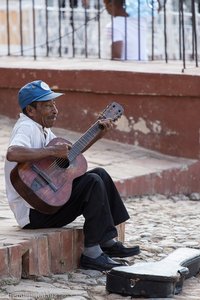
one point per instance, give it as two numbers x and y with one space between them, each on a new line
80 144
91 132
75 151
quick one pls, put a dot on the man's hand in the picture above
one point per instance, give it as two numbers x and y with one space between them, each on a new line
105 124
60 150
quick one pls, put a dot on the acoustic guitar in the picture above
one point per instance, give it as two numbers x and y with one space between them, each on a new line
46 184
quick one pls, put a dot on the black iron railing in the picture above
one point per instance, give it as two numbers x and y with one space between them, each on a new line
76 28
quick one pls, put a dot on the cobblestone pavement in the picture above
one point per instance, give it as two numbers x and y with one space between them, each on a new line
157 223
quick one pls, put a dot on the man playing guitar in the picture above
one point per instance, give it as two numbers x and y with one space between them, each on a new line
93 193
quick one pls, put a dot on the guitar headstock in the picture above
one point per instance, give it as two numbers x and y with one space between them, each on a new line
113 111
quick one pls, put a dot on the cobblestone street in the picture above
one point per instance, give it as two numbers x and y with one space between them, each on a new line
159 225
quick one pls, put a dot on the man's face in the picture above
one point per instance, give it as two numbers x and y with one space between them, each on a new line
110 7
45 113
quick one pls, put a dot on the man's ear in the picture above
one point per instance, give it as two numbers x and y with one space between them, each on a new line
30 110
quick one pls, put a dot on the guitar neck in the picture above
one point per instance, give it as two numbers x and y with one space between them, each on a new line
81 144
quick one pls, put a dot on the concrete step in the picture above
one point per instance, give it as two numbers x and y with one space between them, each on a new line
41 252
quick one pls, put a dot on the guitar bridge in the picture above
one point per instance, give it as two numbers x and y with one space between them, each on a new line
37 184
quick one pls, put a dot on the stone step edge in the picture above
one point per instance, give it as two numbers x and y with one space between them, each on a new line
43 252
182 180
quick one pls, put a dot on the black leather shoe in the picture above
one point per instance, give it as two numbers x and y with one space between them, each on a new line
101 263
119 250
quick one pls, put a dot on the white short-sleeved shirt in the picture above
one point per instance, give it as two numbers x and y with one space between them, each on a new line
26 133
125 29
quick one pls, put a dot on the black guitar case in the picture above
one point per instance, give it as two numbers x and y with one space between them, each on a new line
162 278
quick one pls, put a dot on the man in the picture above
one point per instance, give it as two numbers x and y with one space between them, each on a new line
93 195
127 31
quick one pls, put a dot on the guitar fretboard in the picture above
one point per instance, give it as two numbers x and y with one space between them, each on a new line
83 141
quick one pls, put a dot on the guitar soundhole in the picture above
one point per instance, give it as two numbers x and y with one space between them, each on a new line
62 163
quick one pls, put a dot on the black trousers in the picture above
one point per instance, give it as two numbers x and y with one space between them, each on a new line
94 196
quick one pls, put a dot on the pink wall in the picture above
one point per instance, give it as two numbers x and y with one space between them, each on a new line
161 110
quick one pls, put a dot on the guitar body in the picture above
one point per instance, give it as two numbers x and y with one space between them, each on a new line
47 184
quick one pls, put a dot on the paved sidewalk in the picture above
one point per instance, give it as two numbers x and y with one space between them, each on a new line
172 67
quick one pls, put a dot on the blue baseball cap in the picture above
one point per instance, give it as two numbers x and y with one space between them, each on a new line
36 90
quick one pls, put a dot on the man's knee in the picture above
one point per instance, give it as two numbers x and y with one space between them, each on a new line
94 177
101 172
